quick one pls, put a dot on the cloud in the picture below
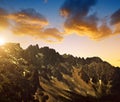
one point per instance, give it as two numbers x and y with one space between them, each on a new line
115 21
74 8
45 1
3 19
53 33
115 17
81 21
29 22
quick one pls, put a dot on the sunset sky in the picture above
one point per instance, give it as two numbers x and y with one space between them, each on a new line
83 28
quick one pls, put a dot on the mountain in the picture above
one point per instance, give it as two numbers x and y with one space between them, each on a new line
43 75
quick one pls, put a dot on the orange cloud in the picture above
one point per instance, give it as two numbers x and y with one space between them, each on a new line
53 33
90 30
78 20
29 22
3 19
29 16
117 28
83 23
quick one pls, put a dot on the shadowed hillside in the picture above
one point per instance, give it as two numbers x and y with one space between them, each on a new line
43 75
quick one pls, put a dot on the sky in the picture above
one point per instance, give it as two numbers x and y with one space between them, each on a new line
83 28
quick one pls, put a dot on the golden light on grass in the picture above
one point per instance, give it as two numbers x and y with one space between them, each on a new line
2 41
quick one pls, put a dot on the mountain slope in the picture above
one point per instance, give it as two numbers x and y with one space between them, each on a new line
43 75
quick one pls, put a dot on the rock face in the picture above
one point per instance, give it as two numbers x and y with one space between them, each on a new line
43 75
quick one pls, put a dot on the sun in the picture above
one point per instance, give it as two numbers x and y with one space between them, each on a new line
2 41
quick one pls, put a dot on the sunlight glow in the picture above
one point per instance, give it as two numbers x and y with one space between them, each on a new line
2 41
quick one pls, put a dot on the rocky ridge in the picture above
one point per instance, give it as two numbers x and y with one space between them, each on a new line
43 75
